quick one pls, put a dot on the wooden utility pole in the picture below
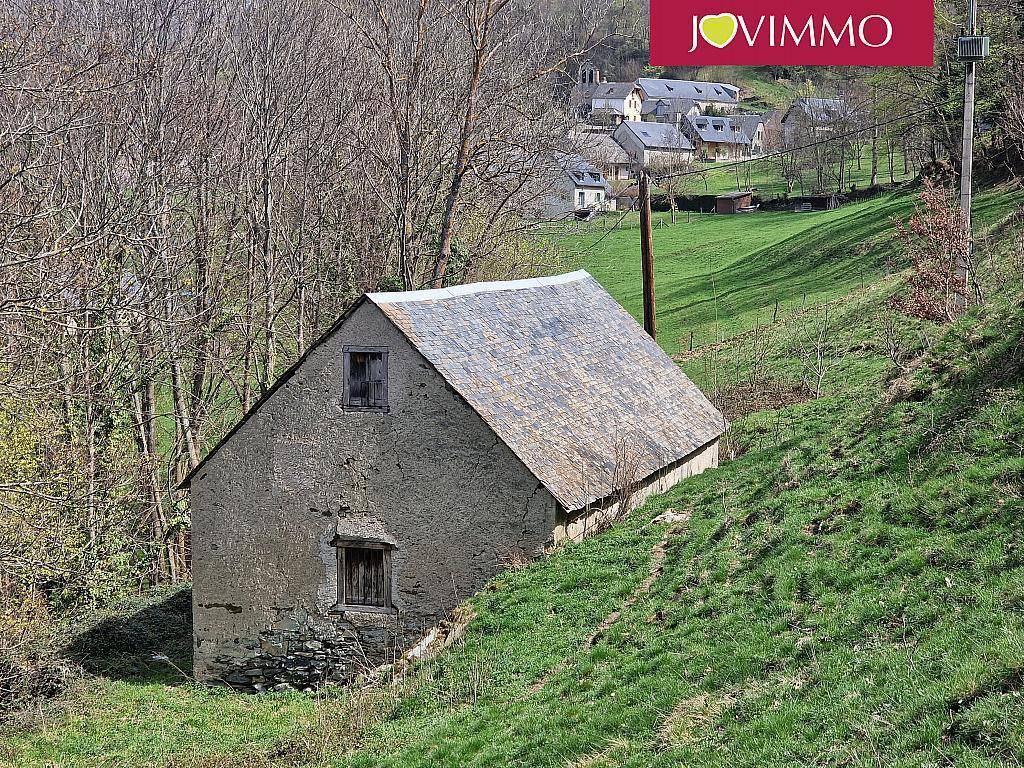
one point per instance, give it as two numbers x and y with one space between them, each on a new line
647 254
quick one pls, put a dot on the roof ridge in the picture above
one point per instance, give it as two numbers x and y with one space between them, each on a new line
433 294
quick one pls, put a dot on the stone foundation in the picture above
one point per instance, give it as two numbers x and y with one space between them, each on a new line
301 651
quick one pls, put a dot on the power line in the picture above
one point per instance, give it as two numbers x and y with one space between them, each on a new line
828 140
779 153
615 226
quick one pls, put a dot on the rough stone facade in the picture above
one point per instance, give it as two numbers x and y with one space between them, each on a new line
495 433
428 475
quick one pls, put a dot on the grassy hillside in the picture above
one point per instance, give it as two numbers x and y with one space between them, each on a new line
758 89
718 276
848 591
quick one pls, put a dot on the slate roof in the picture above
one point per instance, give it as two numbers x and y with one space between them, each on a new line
821 110
718 129
583 173
748 123
658 135
659 88
613 90
673 105
601 148
562 374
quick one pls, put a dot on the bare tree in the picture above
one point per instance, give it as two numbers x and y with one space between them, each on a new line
190 192
819 349
1013 115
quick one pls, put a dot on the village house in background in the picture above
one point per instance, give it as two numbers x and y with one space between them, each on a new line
581 186
613 103
650 120
718 138
753 127
654 144
813 116
772 121
659 100
672 110
604 152
722 97
662 123
427 440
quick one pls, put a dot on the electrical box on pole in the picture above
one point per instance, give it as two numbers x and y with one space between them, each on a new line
972 48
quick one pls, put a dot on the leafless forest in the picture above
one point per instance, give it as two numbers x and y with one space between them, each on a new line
190 191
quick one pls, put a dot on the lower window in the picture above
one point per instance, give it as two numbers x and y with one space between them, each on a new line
364 574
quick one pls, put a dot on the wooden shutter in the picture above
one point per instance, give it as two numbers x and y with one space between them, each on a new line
366 577
357 375
376 380
366 377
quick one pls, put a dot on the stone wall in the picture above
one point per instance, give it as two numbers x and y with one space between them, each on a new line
301 651
429 476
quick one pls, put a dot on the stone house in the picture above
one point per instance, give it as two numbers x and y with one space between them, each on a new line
718 138
654 145
425 441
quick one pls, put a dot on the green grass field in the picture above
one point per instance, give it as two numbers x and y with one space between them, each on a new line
848 591
717 276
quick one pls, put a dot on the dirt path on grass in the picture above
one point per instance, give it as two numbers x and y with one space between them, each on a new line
676 520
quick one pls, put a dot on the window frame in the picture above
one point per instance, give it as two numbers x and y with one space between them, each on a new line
346 402
342 545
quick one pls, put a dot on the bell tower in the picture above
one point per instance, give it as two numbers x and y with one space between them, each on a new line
589 75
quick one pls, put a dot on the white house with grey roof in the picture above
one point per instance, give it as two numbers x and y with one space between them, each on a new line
612 103
649 98
581 186
654 144
425 441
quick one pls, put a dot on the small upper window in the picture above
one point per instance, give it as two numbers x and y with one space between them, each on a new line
366 378
364 574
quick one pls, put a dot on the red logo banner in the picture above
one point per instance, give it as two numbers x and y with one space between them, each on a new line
743 32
